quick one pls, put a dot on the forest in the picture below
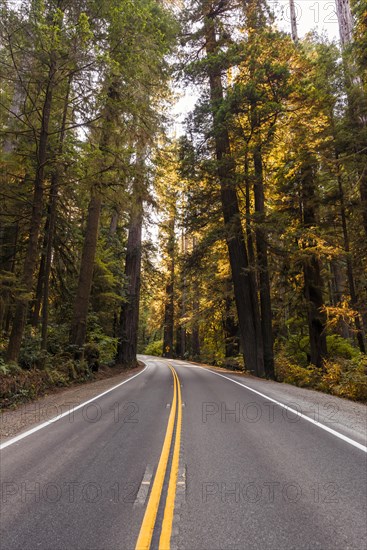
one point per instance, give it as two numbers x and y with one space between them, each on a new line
237 239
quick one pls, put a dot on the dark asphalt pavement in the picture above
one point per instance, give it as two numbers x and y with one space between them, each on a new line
252 474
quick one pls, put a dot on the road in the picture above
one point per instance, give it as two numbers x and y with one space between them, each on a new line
183 458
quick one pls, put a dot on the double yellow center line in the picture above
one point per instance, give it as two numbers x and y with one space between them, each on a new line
150 516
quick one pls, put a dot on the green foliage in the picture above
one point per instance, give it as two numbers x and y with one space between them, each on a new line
339 347
346 378
9 368
106 345
289 371
31 355
297 346
154 348
18 385
341 376
58 338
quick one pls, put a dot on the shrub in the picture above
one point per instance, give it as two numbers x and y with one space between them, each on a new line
346 378
57 338
290 372
340 376
9 368
18 385
340 347
31 356
22 386
154 348
4 368
91 356
297 346
107 345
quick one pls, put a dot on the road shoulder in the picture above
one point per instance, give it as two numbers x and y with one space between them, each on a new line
28 415
345 416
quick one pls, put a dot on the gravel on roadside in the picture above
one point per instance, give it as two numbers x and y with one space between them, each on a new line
343 415
58 401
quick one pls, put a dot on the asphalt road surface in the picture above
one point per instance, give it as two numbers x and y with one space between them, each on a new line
183 458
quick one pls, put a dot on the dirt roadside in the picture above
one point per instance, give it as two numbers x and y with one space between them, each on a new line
59 400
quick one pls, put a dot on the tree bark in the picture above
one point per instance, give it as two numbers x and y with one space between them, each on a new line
245 293
195 337
262 263
9 239
352 289
178 345
78 328
42 291
182 336
48 258
293 17
52 213
313 282
129 317
249 237
345 21
81 304
22 302
230 326
354 92
169 313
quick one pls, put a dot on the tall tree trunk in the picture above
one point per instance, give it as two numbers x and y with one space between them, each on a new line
35 314
168 330
78 328
48 259
183 332
293 17
111 234
81 304
52 213
316 318
42 291
313 282
113 223
345 21
245 293
230 326
169 309
262 262
195 337
249 237
129 317
352 289
9 232
356 98
18 327
337 292
8 239
178 344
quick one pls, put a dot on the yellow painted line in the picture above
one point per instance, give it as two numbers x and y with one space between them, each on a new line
147 527
165 539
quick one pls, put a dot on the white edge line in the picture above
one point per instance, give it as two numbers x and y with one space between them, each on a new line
59 416
322 426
